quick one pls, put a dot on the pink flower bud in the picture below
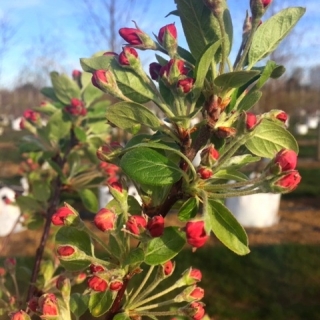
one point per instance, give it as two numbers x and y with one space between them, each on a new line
154 70
288 182
197 310
205 173
185 85
2 272
65 251
266 2
60 217
116 285
168 268
19 315
197 293
170 28
131 35
136 224
286 159
156 226
97 284
48 305
76 74
251 120
127 55
96 268
105 220
196 235
31 115
79 278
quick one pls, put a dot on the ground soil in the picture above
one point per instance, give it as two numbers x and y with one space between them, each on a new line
299 223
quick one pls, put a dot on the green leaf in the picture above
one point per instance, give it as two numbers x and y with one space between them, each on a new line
131 85
203 65
30 144
269 35
96 63
41 190
121 316
90 94
230 174
80 134
147 166
49 93
114 247
100 303
89 200
201 27
58 126
271 70
127 115
240 161
64 88
164 248
226 228
269 138
186 55
188 210
134 258
28 203
249 100
79 303
235 79
77 238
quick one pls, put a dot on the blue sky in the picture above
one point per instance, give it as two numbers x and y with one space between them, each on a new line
61 21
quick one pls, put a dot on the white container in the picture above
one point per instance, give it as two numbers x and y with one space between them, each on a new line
10 215
301 128
312 122
256 210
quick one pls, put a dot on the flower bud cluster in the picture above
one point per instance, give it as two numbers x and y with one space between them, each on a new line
76 108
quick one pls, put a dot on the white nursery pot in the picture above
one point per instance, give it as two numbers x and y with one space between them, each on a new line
256 210
301 129
312 122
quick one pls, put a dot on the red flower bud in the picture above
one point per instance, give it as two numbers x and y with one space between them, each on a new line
19 315
195 274
173 69
105 220
154 70
185 85
126 55
65 251
33 304
22 124
209 155
156 226
190 277
205 173
96 268
196 235
167 34
116 285
286 159
79 278
59 218
136 224
251 120
76 74
282 116
168 268
97 284
48 305
117 186
131 35
288 182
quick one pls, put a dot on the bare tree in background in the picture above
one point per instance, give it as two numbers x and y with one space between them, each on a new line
44 55
103 19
